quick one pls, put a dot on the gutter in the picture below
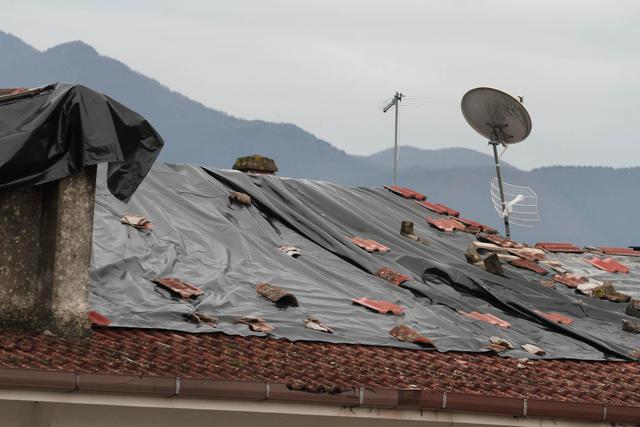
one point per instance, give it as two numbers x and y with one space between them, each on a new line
399 399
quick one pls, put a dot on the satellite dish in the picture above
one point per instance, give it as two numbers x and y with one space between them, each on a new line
502 119
496 115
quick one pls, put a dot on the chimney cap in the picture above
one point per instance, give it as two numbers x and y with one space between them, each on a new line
256 164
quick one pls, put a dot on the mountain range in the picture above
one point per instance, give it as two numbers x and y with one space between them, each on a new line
584 205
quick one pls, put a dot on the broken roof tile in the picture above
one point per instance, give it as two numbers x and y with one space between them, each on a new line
179 287
379 305
312 323
197 317
608 264
533 349
555 317
488 318
499 344
559 247
587 288
445 224
548 284
529 254
256 324
607 250
405 192
292 251
278 295
392 276
369 245
449 211
98 319
242 198
12 91
469 223
523 263
500 241
570 280
434 207
406 334
137 221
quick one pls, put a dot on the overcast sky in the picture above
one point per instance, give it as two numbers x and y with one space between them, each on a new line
328 66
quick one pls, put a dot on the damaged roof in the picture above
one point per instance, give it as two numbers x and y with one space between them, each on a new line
215 283
339 254
279 273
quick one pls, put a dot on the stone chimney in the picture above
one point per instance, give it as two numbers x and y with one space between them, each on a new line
45 254
256 164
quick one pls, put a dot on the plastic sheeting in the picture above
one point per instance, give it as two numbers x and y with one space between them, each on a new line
226 249
51 133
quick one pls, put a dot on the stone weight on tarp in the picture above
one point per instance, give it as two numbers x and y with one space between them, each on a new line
406 228
277 295
256 164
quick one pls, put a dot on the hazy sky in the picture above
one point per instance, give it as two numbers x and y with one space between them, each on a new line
328 66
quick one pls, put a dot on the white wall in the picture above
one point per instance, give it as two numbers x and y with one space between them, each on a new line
47 409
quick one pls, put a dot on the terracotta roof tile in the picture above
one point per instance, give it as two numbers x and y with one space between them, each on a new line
559 247
314 365
619 251
405 192
608 264
446 224
369 245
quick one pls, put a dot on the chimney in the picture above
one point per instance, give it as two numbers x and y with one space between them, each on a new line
45 255
256 164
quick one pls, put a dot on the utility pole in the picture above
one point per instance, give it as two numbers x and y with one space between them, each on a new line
395 101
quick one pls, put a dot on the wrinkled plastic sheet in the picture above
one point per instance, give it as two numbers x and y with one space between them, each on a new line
226 249
53 132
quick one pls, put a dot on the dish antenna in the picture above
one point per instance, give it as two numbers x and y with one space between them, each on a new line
503 120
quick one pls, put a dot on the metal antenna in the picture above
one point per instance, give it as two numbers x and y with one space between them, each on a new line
396 99
495 141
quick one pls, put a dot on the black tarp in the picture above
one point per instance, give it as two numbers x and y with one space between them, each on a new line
50 133
227 249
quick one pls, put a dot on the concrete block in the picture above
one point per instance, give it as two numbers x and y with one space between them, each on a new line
45 253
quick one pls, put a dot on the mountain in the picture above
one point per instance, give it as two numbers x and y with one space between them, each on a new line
410 157
584 205
195 133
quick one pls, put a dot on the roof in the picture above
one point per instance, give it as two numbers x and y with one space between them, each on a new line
324 372
211 261
197 262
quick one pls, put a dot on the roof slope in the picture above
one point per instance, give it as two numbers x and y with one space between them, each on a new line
322 367
226 249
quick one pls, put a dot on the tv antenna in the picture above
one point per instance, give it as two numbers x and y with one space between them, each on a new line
503 120
397 97
522 210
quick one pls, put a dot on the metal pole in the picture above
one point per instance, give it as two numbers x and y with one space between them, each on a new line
397 97
504 203
395 146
